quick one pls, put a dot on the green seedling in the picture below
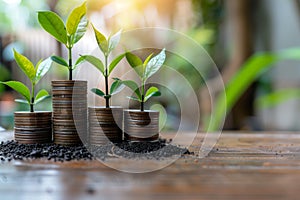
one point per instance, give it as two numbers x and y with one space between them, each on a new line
144 70
34 74
106 45
68 34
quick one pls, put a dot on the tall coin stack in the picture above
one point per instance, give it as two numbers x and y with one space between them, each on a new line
141 126
105 125
33 127
69 111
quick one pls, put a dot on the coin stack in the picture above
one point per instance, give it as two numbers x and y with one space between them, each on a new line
33 127
69 111
105 125
141 125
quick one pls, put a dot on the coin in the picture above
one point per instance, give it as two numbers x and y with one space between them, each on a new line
141 126
33 127
69 97
104 125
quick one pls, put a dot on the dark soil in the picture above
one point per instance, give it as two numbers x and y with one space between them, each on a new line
139 150
12 150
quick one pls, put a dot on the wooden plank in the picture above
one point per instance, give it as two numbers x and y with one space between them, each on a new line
241 166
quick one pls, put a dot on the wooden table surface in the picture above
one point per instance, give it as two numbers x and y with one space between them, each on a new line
241 166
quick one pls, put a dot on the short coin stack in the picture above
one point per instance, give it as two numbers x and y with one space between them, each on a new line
33 127
141 125
69 111
105 125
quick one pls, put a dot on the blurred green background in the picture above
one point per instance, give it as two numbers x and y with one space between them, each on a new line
254 43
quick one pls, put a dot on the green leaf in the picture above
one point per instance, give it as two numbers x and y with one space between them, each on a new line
134 98
136 63
133 86
42 99
155 64
98 92
113 41
20 88
81 30
115 62
116 87
152 92
250 71
147 59
101 41
79 61
54 25
21 101
42 68
75 17
95 62
26 65
59 60
42 93
275 98
107 96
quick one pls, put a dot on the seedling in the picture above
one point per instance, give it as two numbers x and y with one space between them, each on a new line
106 46
68 34
144 70
34 74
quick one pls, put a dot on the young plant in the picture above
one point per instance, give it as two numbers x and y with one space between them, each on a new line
106 46
144 70
34 74
68 34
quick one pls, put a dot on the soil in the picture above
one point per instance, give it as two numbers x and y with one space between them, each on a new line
12 150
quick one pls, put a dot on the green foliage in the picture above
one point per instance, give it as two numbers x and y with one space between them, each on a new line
116 87
275 98
249 72
144 70
20 88
68 34
75 18
152 92
54 25
34 74
106 46
133 86
59 60
4 75
96 62
114 63
101 41
98 92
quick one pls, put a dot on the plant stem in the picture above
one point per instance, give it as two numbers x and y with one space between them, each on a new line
142 103
106 83
143 95
70 63
32 98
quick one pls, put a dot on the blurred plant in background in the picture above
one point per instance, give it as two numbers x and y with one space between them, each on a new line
251 70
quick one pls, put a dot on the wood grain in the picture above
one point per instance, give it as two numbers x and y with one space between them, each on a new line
241 166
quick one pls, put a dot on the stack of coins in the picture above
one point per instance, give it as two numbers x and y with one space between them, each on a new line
69 111
105 125
141 126
33 127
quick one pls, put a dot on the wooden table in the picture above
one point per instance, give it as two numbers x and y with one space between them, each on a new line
241 166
